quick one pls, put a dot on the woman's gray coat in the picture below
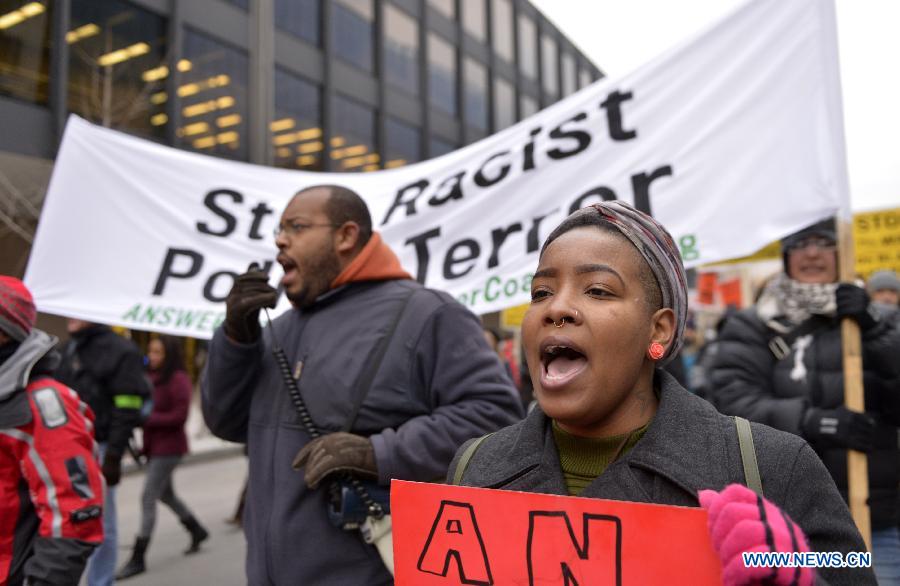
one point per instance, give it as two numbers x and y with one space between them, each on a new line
688 447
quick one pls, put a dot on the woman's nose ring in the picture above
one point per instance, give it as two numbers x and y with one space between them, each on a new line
562 322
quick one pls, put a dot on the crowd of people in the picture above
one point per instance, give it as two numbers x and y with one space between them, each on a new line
372 376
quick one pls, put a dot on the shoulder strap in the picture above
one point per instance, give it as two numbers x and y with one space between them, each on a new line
780 344
748 455
465 458
367 376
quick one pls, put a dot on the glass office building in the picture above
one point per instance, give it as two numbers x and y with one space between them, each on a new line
332 85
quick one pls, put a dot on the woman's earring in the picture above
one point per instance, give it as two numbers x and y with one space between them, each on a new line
656 351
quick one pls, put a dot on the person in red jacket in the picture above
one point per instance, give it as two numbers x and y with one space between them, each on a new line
164 444
51 490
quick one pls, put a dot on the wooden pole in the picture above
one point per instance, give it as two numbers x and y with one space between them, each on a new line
857 464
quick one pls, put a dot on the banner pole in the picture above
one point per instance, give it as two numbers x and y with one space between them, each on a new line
857 463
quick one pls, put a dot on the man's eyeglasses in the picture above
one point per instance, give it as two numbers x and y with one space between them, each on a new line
816 242
294 228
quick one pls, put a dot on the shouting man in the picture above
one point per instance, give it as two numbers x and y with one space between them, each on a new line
394 375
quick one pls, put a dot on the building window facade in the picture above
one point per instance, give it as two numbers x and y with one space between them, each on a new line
476 101
474 18
296 130
445 7
353 139
527 106
459 68
504 104
527 47
242 4
584 78
439 146
300 18
502 29
25 50
402 144
401 50
568 74
117 66
441 75
212 97
549 69
351 28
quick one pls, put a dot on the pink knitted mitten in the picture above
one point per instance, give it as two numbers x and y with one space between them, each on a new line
742 521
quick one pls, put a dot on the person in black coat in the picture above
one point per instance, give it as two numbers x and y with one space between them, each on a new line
780 363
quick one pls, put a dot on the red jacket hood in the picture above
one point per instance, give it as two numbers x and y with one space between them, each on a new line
375 262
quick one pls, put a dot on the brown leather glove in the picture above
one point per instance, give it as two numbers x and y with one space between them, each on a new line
111 469
336 452
249 294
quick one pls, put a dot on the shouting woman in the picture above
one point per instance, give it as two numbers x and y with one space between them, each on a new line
608 309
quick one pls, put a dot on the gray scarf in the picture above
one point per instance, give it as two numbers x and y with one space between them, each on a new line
786 298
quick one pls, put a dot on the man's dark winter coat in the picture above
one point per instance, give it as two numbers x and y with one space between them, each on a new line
438 385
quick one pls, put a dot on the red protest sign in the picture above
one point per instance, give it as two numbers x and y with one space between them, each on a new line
731 293
447 535
706 288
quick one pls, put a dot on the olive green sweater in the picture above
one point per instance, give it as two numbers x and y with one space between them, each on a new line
584 458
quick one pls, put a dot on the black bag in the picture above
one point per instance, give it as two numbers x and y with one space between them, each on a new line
346 509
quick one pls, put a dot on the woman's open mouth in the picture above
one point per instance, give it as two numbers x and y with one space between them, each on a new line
561 362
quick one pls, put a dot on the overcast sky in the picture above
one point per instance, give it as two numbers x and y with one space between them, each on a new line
620 35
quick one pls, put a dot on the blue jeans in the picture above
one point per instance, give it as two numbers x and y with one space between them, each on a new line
886 556
101 568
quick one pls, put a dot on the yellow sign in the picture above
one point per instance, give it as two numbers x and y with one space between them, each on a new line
770 251
512 318
876 239
876 236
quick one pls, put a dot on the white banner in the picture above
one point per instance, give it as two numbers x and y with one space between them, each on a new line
731 140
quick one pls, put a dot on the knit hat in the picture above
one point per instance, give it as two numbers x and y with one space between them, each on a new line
825 229
17 311
881 280
655 245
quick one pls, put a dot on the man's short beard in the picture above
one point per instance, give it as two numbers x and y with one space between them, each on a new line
297 299
323 271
